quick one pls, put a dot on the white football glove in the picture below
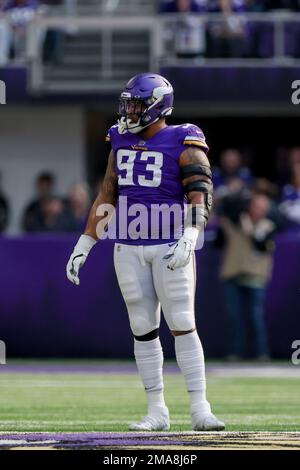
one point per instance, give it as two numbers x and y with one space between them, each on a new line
78 257
179 254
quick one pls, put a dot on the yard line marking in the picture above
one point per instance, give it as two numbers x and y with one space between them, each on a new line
70 384
80 423
258 434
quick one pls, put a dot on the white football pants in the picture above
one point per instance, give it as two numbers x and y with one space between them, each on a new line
147 285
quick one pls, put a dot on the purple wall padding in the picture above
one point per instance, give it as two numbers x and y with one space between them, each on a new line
269 85
43 314
232 85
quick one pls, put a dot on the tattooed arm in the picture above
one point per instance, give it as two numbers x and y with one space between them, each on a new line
108 195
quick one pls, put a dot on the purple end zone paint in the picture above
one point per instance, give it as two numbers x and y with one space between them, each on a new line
89 440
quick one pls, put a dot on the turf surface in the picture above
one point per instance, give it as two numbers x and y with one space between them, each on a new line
106 401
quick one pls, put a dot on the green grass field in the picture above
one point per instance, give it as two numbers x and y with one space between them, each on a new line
79 402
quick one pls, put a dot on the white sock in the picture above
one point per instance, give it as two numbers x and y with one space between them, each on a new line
190 359
149 360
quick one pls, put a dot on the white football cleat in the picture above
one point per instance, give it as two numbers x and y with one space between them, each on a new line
206 422
203 419
157 421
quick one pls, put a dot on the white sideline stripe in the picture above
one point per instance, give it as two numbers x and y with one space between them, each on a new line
71 384
104 422
8 442
72 423
224 371
159 433
272 372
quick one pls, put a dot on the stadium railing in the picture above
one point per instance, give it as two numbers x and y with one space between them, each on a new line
96 52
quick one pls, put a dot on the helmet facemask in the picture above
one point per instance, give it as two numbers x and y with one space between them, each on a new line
131 111
145 111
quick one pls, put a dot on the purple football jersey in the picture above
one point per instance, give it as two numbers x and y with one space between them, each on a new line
150 207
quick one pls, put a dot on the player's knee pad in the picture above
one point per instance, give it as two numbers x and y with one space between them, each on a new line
149 336
181 320
139 323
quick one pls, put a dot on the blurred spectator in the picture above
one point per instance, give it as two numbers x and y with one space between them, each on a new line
271 190
187 35
264 186
227 37
49 213
183 6
226 6
294 157
55 217
246 270
21 12
231 167
32 218
5 36
78 206
4 210
233 201
23 8
285 161
290 205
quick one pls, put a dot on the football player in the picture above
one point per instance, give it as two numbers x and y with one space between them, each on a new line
152 162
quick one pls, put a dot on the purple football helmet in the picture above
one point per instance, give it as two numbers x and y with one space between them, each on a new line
147 96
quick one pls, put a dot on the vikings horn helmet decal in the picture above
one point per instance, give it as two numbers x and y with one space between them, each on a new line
147 96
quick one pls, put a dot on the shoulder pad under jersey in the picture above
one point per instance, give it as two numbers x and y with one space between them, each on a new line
193 135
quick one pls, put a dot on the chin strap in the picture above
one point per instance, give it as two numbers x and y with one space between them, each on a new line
123 126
